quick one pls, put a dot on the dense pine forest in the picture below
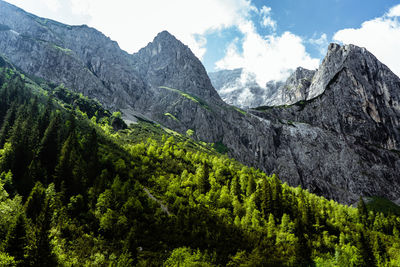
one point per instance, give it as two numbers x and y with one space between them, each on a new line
80 188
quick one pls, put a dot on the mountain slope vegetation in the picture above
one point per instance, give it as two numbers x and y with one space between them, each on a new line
73 191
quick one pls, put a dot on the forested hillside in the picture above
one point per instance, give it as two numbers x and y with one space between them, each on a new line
74 191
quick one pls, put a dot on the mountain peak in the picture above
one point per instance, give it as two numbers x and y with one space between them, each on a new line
164 42
333 47
164 35
166 61
338 52
334 61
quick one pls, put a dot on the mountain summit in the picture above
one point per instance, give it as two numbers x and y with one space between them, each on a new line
168 62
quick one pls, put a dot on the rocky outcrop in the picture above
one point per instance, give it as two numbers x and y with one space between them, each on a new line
358 97
296 88
340 140
168 62
239 88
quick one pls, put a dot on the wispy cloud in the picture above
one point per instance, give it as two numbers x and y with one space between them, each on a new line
266 19
321 43
270 57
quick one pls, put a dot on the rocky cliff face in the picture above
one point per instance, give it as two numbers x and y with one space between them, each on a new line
46 49
295 88
351 94
354 98
340 140
168 62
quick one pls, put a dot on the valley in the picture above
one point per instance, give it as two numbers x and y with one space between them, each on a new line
135 159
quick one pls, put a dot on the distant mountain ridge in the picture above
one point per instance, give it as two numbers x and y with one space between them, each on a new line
239 87
340 138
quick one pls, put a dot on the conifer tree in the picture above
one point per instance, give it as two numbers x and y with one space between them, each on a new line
266 198
35 202
362 243
251 186
362 211
17 240
7 124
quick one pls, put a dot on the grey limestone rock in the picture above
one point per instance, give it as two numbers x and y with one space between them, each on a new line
296 88
168 62
359 97
358 107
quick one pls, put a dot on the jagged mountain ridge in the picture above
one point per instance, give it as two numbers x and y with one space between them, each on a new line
294 89
166 83
359 94
239 87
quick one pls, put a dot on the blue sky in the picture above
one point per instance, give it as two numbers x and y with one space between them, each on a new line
267 38
307 18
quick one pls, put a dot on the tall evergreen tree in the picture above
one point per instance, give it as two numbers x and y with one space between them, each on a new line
7 124
362 211
362 243
16 242
266 198
48 149
35 202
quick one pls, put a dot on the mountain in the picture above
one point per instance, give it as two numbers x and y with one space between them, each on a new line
293 90
354 97
240 88
75 192
352 94
346 149
79 187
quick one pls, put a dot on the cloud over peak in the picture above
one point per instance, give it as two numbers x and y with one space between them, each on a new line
270 57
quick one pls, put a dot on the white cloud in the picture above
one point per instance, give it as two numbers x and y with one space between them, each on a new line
59 10
271 57
265 10
381 36
54 5
394 11
320 43
266 20
135 23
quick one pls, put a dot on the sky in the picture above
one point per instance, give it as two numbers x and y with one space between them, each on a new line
269 38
